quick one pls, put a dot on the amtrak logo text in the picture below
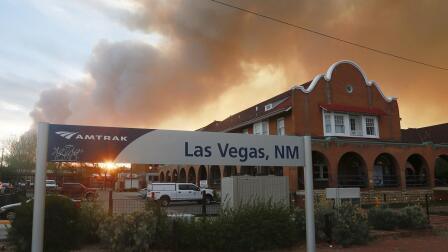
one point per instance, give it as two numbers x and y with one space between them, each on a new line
69 135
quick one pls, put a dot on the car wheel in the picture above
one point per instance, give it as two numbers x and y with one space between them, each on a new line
11 216
208 199
164 201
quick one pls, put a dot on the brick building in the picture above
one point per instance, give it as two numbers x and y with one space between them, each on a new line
357 140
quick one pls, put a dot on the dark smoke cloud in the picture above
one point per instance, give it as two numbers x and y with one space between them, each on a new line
135 84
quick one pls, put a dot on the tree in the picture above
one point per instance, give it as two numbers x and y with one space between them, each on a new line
20 158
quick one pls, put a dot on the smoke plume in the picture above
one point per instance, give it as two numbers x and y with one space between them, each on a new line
210 51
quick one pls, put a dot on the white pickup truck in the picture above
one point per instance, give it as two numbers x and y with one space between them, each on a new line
167 192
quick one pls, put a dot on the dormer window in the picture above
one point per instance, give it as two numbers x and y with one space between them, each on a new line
350 125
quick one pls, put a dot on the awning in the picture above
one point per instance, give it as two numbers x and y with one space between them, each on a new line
353 109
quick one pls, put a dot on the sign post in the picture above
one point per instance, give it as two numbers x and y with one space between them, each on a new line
309 197
72 143
37 243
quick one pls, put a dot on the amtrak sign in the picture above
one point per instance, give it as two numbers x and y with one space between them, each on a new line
72 143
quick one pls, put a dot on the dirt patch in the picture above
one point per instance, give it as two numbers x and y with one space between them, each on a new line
431 240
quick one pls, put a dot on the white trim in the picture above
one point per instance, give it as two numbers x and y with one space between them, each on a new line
329 73
347 130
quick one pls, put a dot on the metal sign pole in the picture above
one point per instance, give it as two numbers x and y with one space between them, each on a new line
309 201
37 244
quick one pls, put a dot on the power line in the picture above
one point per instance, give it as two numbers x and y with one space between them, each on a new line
328 36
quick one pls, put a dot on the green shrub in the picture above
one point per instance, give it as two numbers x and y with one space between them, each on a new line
300 223
62 230
412 217
350 226
138 231
324 216
91 216
383 218
129 232
260 226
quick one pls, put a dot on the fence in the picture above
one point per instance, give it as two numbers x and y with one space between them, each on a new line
128 202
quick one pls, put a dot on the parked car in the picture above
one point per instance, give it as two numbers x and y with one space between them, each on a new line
167 192
8 212
51 185
142 193
78 191
6 187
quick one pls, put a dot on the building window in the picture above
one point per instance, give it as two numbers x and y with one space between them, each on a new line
327 122
370 126
245 131
261 128
339 125
265 127
350 125
281 126
355 125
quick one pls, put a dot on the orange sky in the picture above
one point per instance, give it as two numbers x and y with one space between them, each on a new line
215 61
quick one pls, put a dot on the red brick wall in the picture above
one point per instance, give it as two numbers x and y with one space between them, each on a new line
308 114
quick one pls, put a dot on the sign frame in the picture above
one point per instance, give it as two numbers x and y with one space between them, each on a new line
42 158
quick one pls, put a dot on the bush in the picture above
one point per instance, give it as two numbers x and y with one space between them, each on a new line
261 226
383 218
62 231
412 217
300 223
128 232
138 231
324 221
350 226
91 216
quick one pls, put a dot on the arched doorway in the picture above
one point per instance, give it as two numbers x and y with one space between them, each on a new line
191 175
202 173
175 177
182 175
320 170
229 170
385 171
215 176
168 176
416 171
352 171
441 171
162 177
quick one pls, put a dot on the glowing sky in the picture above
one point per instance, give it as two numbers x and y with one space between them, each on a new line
182 64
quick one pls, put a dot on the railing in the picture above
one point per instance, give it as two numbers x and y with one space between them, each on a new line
416 180
352 181
386 181
320 183
441 182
